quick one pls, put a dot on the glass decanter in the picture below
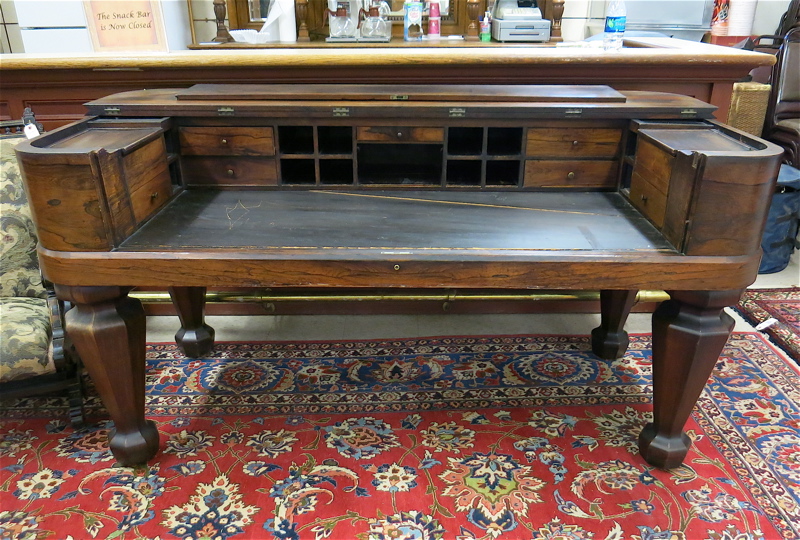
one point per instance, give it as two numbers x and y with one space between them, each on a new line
341 25
375 25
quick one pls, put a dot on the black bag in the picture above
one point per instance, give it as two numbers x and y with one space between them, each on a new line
783 222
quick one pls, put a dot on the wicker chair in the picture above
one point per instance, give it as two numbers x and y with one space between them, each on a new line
35 354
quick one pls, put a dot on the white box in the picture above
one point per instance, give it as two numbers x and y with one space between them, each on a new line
50 14
61 40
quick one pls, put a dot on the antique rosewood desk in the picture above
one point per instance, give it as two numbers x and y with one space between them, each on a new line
370 186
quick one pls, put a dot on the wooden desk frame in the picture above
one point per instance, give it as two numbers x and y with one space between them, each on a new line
567 188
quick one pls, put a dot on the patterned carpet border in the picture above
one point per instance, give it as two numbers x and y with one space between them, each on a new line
400 439
759 305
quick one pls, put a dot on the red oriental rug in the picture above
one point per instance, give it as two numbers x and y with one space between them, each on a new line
781 307
460 438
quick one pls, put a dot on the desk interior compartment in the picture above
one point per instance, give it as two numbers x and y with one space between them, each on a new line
693 181
105 178
400 163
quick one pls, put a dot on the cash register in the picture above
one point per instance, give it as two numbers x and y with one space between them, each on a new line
519 20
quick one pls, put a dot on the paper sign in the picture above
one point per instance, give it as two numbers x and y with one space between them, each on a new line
131 25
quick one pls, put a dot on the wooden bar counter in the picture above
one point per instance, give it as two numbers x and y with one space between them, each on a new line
56 87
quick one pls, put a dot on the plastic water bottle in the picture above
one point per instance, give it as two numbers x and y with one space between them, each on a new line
615 25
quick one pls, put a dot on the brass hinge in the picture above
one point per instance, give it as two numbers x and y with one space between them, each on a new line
399 97
111 110
341 111
458 112
225 111
689 112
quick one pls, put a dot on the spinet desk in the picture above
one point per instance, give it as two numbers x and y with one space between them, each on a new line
424 187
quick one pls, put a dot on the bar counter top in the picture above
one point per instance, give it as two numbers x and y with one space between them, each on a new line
55 86
638 51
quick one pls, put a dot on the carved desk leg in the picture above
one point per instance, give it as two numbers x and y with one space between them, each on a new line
108 329
609 340
195 338
689 332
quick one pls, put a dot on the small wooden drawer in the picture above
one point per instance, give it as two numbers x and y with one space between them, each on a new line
578 174
400 134
572 142
649 199
151 196
148 177
242 171
654 164
227 141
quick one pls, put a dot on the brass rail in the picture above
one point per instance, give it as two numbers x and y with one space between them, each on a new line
237 297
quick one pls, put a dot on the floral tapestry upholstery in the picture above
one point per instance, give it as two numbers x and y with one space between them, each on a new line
19 267
24 316
25 335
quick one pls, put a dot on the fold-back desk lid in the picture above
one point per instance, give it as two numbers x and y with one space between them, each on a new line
496 102
544 93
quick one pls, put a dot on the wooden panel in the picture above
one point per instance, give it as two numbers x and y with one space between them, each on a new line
107 138
573 142
227 141
730 203
587 174
400 134
682 185
118 199
145 163
5 111
654 164
65 202
242 171
540 93
698 140
147 173
55 111
648 199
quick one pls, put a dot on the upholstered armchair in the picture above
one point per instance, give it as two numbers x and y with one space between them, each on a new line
35 356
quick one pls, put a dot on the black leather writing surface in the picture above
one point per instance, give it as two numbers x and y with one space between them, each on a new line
485 223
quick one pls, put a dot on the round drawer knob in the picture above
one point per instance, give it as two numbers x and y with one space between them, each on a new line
574 143
571 175
399 134
230 172
224 141
154 196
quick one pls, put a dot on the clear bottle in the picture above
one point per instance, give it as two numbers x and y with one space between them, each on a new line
616 17
486 27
